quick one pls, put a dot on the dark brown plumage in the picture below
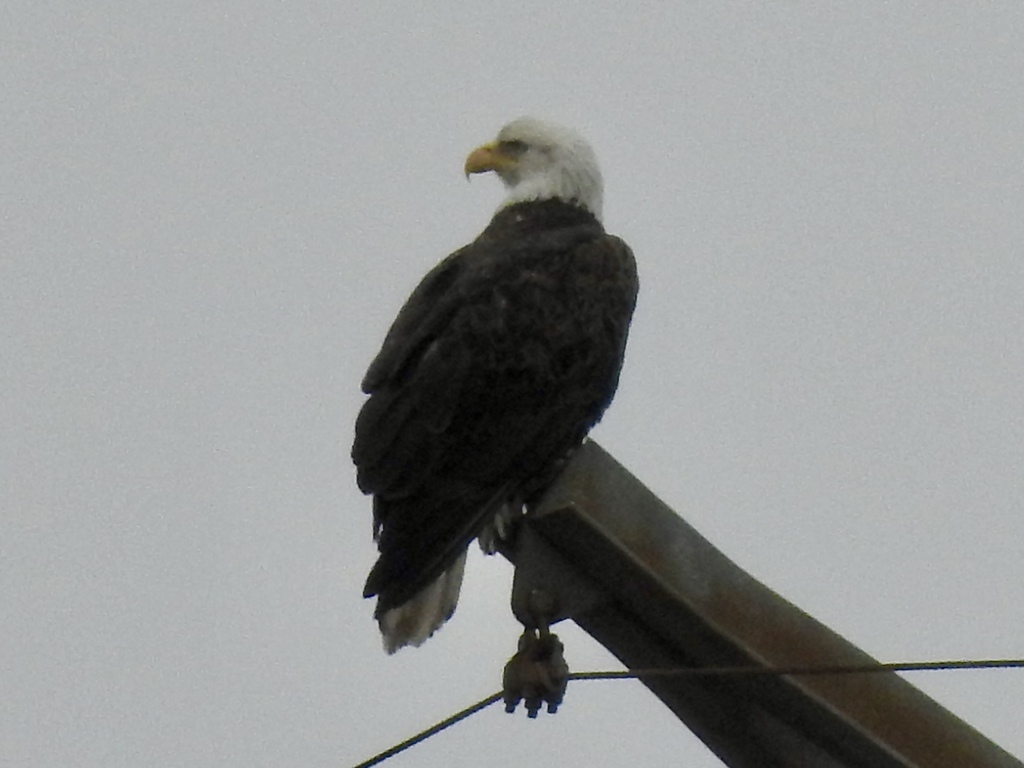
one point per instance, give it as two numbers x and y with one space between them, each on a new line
498 365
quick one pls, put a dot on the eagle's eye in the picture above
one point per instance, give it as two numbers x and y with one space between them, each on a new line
513 147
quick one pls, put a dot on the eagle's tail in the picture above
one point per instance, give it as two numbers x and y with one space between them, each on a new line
415 620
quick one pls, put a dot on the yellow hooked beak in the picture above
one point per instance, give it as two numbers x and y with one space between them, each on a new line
489 157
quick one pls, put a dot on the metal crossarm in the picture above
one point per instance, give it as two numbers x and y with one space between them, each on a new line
614 558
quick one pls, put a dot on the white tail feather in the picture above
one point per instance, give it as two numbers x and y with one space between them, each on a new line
414 621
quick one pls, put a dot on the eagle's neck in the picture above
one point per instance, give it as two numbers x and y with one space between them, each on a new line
573 177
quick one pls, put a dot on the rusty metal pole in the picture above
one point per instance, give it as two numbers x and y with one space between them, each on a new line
648 587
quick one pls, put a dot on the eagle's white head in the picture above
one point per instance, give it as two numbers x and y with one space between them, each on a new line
537 160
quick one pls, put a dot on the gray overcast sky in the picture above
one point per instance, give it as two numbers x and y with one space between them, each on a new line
210 212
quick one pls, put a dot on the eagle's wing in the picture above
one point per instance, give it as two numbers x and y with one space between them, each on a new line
498 364
424 313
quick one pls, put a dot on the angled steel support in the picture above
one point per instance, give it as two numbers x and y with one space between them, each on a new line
648 587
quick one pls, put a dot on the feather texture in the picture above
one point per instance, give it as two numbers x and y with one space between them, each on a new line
498 365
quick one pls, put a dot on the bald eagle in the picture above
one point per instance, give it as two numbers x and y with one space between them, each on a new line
498 365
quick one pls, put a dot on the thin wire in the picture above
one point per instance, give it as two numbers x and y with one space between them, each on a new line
836 669
447 722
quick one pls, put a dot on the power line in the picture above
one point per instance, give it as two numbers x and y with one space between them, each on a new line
449 721
837 669
632 674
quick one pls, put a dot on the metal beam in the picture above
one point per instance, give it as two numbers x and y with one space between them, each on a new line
658 595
